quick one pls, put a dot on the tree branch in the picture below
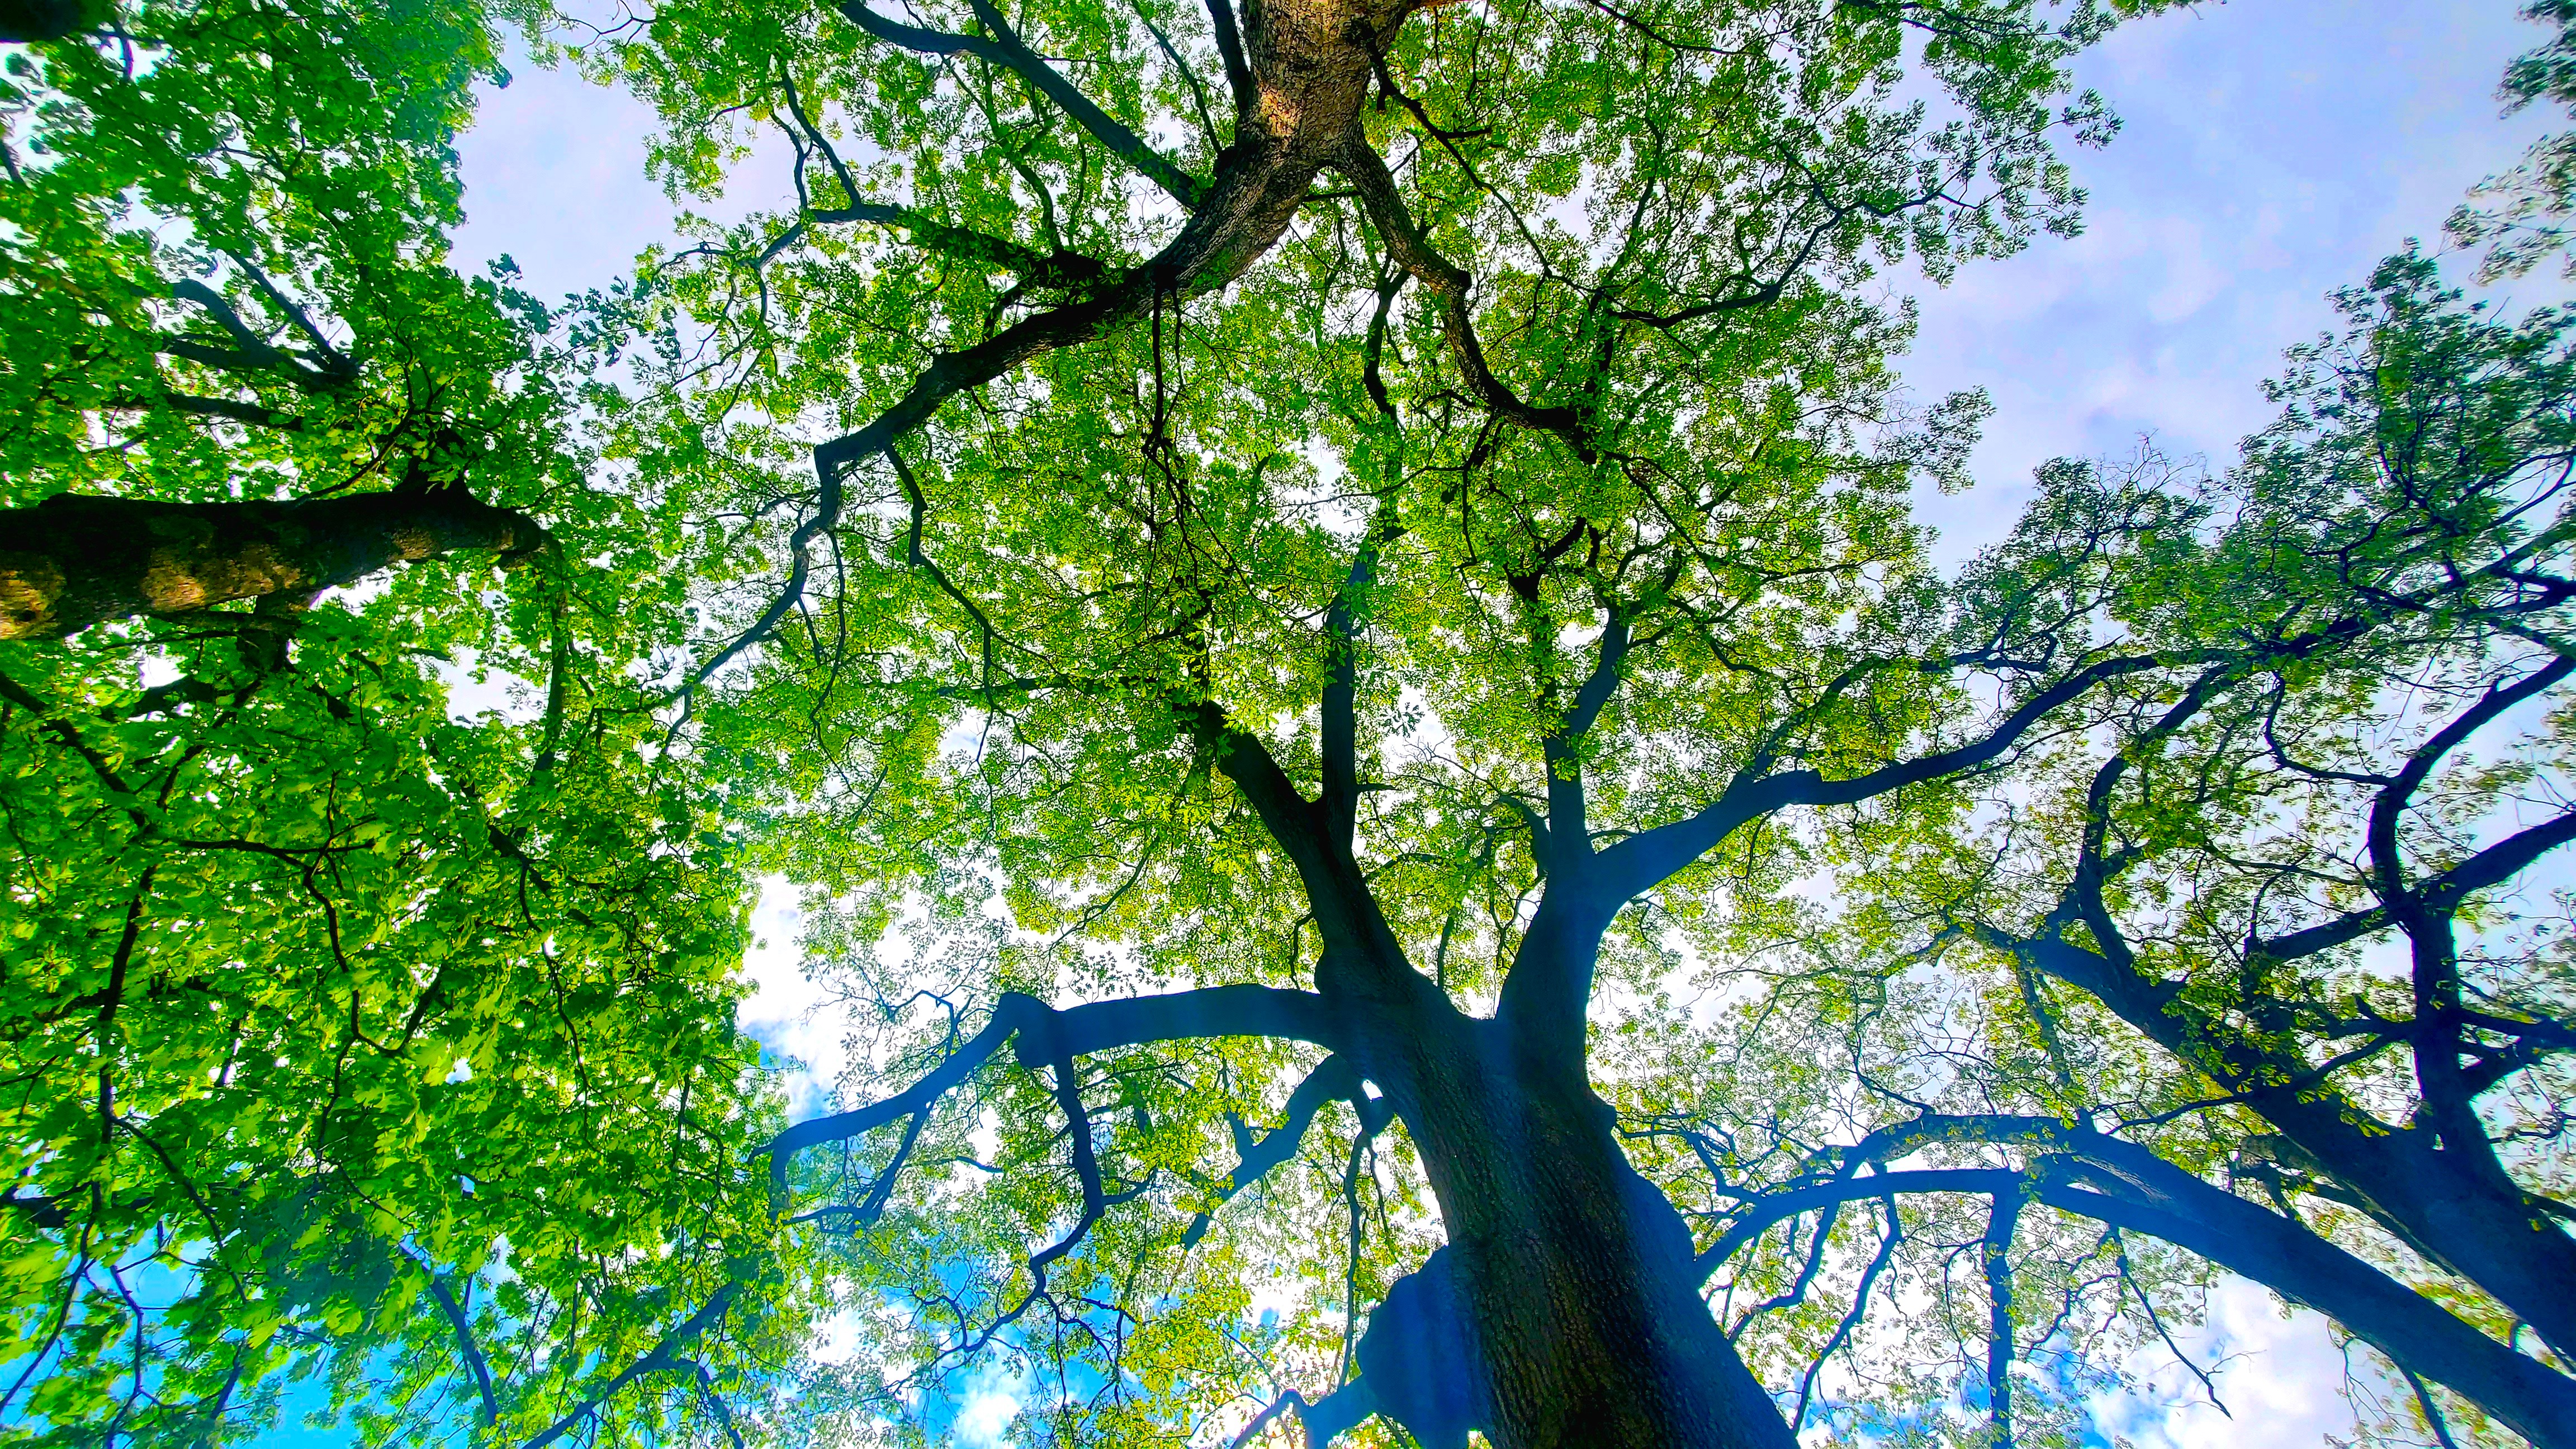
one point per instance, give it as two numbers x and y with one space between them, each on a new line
1641 861
1339 799
1769 1212
1448 283
2129 1187
1335 1079
2442 894
1569 835
1005 48
664 1356
456 1321
1214 1011
2000 1221
1238 74
76 559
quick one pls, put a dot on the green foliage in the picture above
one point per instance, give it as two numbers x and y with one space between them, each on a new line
1539 485
985 695
357 1027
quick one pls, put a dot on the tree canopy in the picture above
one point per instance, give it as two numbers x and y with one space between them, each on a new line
1322 600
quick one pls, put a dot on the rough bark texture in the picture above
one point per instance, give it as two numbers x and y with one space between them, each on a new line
75 560
1575 1272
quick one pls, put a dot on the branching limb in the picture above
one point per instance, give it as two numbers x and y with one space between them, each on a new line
1334 1079
714 1400
2128 1187
1770 1211
1042 1039
2442 894
249 413
1641 861
1448 284
466 1348
332 361
1215 1011
1860 1305
664 1357
251 352
1005 48
1569 836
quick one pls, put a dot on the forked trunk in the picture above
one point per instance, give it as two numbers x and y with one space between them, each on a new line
1573 1275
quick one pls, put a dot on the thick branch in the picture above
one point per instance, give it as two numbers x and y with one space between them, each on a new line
2128 1186
1238 73
1448 284
2409 1328
1042 269
465 1345
1260 183
1997 1263
2441 895
75 560
1569 834
212 407
255 353
2399 792
1641 861
1005 48
1215 1011
1771 1211
1334 1080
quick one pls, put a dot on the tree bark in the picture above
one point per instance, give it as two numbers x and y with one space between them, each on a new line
75 560
1572 1272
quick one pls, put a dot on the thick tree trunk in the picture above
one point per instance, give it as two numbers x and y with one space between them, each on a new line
1573 1273
75 560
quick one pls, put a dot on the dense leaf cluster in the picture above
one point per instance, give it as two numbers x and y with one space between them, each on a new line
1322 600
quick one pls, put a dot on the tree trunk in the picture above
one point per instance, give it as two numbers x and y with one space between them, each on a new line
75 560
1573 1273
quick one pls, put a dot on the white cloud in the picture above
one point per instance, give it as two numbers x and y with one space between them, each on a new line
991 1401
836 1339
2280 1376
783 1011
2270 154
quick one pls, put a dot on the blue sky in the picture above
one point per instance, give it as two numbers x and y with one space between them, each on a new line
2273 150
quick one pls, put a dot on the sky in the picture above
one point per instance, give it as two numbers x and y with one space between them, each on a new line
2272 151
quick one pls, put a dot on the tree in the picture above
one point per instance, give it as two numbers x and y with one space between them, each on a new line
2181 677
347 1036
1242 648
1660 525
1347 551
2178 894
